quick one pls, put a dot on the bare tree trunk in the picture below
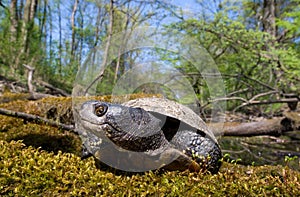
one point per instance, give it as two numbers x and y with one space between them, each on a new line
43 21
81 40
73 44
271 11
269 17
13 20
26 28
50 37
13 31
98 24
60 39
29 13
123 42
33 8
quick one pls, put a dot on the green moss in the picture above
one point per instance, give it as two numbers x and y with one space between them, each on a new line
46 162
28 171
9 97
46 137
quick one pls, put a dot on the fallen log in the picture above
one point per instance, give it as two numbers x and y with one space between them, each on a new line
275 126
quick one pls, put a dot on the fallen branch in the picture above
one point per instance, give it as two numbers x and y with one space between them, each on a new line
51 87
36 119
272 127
275 127
29 77
265 102
251 101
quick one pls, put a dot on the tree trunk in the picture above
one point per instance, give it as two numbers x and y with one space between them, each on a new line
60 39
28 20
26 30
269 17
73 44
13 32
13 20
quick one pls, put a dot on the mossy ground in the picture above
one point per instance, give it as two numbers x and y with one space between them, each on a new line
39 160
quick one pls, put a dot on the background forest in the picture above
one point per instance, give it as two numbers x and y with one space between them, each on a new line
255 43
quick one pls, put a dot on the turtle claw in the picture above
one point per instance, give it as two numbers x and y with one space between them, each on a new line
85 153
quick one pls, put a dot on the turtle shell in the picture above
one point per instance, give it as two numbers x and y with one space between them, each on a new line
172 109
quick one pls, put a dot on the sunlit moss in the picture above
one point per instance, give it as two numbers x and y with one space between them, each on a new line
9 96
31 171
41 160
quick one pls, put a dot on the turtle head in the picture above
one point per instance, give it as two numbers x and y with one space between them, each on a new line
93 111
96 112
100 117
128 127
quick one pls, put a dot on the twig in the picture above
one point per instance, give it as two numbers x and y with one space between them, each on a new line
51 87
253 102
262 94
265 102
36 119
238 92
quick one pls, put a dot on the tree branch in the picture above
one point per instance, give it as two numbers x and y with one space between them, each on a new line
51 87
36 119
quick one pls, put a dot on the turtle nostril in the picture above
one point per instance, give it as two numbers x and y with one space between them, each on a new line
100 109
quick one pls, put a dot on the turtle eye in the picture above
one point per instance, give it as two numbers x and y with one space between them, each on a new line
100 109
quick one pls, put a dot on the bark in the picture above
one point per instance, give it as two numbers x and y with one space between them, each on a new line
120 49
268 20
13 20
50 35
26 30
99 22
13 32
42 20
60 39
73 44
27 25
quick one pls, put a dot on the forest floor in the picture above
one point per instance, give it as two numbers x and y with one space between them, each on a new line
38 159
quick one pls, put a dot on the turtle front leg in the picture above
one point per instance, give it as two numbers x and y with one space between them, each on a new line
85 152
200 148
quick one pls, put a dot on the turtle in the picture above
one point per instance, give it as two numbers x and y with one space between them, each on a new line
146 134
